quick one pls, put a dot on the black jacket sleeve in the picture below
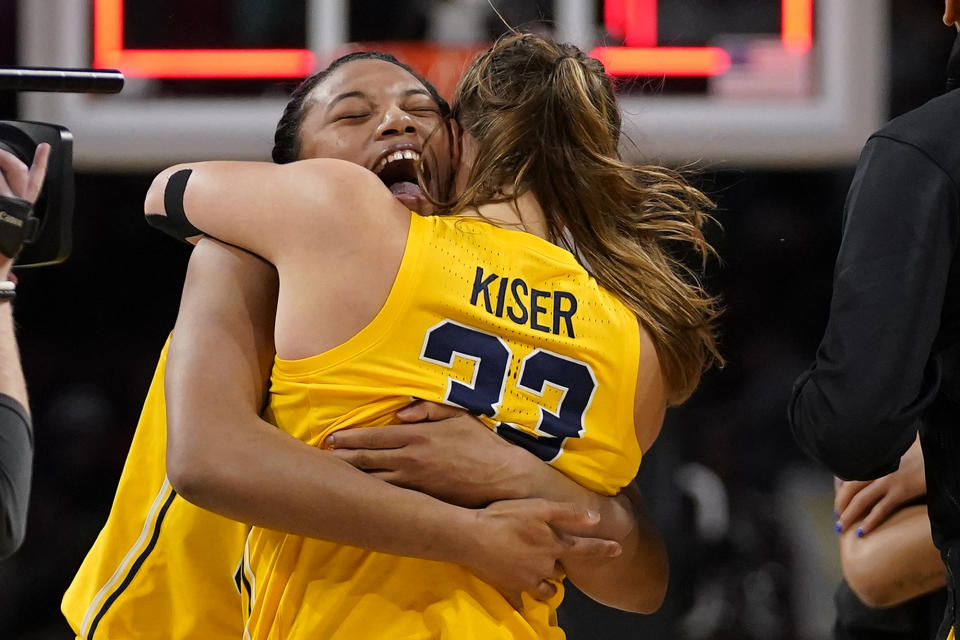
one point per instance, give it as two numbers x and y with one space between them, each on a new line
16 458
855 409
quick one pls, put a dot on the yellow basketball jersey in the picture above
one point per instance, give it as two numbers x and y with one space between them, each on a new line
161 568
499 322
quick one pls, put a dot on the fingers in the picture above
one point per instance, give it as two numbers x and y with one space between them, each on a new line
567 517
880 512
38 171
860 505
365 459
545 590
392 437
578 547
846 491
13 180
18 180
951 13
423 411
391 477
558 573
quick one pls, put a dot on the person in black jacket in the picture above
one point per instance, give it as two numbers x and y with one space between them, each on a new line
890 357
19 188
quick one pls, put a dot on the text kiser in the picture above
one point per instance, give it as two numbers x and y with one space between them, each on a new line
547 311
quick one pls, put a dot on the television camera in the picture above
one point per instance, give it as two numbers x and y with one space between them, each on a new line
47 233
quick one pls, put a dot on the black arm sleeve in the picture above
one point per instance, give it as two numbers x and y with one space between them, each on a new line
855 409
16 462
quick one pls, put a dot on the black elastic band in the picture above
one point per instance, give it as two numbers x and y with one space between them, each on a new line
175 223
17 224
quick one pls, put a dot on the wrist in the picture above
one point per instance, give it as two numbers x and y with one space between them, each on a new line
8 291
458 536
530 476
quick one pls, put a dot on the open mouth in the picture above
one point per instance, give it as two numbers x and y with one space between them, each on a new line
398 171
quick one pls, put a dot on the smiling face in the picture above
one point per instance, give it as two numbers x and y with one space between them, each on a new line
377 115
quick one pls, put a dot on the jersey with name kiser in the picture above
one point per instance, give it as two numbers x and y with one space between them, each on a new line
161 568
497 321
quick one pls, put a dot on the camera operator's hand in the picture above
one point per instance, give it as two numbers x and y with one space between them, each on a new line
17 181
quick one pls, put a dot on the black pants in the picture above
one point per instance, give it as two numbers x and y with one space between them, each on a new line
917 619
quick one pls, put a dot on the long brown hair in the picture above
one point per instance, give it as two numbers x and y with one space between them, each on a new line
546 121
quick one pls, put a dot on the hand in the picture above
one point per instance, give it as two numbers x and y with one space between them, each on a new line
18 181
875 500
951 14
442 451
518 545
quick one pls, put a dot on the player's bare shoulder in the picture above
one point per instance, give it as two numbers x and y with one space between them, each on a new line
345 210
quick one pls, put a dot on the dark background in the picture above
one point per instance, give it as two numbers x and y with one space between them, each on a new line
90 331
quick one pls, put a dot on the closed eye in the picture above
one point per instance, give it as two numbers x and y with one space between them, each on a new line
423 110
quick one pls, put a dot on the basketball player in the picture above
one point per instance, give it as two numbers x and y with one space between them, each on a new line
161 567
481 309
19 189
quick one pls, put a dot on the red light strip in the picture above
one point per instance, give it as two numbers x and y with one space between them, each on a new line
108 52
216 63
107 32
633 20
659 61
797 25
641 23
615 17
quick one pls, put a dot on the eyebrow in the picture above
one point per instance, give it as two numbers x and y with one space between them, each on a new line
417 92
344 96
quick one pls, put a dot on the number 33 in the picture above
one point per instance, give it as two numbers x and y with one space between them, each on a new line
484 395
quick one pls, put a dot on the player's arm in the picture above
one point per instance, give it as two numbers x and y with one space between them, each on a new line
855 409
896 562
223 457
278 212
449 454
636 580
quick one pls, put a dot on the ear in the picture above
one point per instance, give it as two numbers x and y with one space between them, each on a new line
455 132
456 141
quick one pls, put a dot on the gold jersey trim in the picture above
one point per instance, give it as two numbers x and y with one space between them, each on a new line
131 561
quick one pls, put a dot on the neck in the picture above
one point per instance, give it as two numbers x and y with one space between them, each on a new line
524 214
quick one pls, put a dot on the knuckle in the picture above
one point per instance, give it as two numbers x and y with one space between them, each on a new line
406 461
361 459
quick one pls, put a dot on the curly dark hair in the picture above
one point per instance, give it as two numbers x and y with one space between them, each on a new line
286 139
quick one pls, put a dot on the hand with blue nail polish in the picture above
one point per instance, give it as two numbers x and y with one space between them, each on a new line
876 500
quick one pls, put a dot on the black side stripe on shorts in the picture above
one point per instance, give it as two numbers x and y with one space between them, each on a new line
238 576
135 568
242 582
246 584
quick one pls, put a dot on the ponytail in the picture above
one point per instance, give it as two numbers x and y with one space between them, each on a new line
546 121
